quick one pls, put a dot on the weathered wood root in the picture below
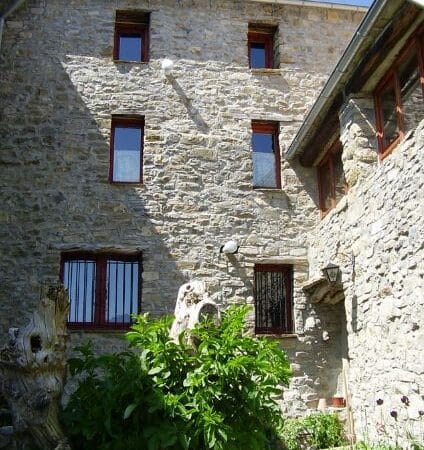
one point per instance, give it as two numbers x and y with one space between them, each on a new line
32 372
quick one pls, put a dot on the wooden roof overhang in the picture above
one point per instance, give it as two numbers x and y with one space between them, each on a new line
395 23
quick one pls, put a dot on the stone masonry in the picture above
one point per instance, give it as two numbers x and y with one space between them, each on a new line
375 234
59 88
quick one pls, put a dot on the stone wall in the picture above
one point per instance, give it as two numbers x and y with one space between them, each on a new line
59 88
375 235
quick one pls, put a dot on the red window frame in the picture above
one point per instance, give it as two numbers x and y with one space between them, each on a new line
274 129
328 163
286 304
100 260
266 38
132 23
126 122
392 78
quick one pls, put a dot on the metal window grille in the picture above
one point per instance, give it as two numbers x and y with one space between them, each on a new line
104 291
273 299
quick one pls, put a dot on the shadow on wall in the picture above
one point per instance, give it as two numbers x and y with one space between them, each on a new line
55 191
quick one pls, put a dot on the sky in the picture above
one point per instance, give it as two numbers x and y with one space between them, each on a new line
348 2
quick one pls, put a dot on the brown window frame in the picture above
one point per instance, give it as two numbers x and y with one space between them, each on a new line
132 23
99 305
254 37
328 160
286 309
263 127
392 77
127 122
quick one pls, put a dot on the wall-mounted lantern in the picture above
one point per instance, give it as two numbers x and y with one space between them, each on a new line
229 247
331 271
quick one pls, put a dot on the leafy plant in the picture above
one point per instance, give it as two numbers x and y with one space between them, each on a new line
219 394
316 431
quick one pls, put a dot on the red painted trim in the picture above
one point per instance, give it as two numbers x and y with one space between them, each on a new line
287 270
101 260
328 160
416 44
274 129
127 122
140 29
266 38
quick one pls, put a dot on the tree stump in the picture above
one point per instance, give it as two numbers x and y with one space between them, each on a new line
32 372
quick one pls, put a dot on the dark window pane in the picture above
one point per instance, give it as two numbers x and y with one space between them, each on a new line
264 170
127 154
411 92
389 118
263 142
130 47
257 55
272 305
79 278
122 291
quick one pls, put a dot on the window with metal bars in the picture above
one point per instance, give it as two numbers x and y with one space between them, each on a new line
273 298
104 290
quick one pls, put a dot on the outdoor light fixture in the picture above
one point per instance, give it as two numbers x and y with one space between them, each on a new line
331 272
229 247
167 66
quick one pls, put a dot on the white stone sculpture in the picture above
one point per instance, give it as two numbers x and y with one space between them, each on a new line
193 302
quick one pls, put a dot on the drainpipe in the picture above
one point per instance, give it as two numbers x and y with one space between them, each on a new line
342 66
12 7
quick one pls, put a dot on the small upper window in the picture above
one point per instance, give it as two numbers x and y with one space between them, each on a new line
331 180
262 47
266 155
131 36
126 150
399 98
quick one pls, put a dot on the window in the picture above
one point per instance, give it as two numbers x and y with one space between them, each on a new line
273 299
262 47
131 36
126 150
266 155
399 97
331 180
104 290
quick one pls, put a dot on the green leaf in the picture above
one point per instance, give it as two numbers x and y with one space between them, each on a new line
155 370
129 410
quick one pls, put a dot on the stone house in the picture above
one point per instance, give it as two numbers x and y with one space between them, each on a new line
365 136
139 137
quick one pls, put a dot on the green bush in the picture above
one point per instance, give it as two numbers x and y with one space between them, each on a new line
316 431
166 395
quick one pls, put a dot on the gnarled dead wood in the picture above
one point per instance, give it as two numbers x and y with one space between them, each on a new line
32 371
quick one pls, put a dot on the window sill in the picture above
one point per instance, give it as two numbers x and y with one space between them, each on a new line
265 71
278 336
121 61
97 329
126 183
264 189
389 149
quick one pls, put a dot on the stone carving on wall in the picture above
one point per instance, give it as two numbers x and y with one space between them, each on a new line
193 303
32 374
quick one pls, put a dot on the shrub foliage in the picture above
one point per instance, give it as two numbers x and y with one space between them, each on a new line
219 394
318 431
